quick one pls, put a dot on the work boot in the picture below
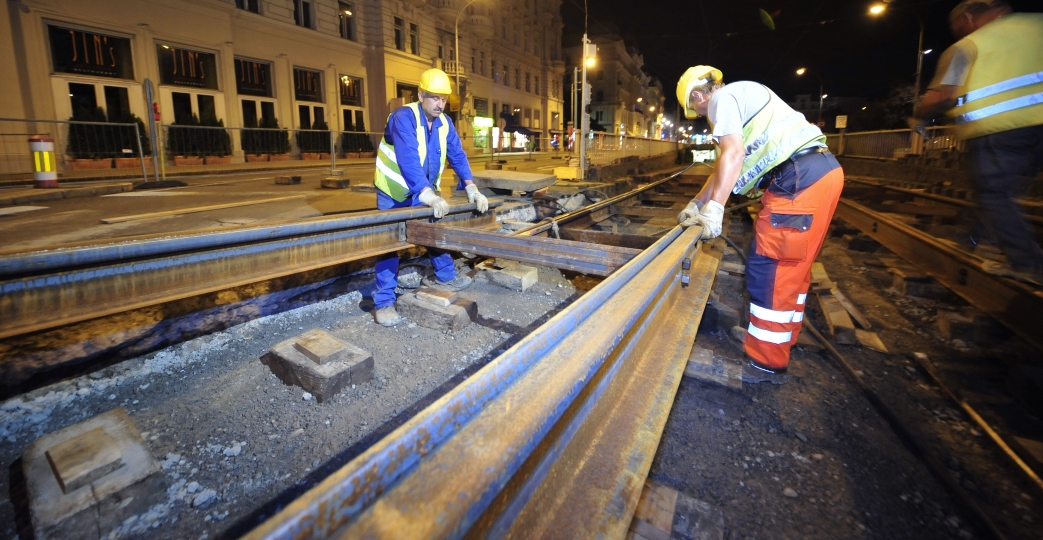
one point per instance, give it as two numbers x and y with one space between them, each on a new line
387 316
459 283
753 373
738 333
1030 275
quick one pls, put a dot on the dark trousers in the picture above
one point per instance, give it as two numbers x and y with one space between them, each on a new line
1005 164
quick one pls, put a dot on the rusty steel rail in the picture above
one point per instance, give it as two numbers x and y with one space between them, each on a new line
1031 218
49 288
553 438
1016 305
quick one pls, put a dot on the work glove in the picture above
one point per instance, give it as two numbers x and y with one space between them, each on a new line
475 196
687 216
436 203
711 217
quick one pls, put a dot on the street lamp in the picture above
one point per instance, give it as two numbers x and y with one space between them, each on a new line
878 9
821 95
456 66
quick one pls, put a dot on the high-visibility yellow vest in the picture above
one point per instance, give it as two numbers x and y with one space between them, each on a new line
1004 88
388 177
774 134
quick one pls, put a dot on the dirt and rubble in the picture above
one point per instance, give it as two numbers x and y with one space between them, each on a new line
809 459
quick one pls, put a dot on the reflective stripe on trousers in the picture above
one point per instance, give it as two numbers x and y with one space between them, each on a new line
778 288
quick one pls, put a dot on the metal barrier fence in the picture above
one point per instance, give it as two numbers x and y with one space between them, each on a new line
892 144
78 146
607 148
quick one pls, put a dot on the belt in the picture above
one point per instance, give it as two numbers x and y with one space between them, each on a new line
767 178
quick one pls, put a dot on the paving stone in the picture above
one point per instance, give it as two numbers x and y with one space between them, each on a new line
287 180
321 380
513 180
435 296
98 506
336 182
456 316
84 458
509 274
321 347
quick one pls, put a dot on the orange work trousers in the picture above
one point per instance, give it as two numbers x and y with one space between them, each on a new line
788 236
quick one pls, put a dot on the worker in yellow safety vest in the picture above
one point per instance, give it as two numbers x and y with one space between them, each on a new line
417 142
990 84
768 150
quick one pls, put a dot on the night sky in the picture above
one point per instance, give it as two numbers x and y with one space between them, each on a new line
855 53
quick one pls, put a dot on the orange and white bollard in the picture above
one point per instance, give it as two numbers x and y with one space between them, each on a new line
45 170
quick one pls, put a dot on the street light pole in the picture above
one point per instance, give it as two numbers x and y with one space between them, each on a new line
584 114
919 59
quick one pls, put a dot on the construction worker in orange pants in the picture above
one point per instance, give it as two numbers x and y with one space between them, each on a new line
768 150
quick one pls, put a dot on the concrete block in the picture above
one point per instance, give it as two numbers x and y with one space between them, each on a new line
509 224
491 166
84 458
293 367
509 274
569 173
456 316
287 180
435 296
336 182
101 504
364 188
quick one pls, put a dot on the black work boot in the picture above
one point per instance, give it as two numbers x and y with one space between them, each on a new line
753 373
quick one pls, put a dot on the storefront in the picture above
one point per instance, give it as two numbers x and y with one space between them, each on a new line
93 75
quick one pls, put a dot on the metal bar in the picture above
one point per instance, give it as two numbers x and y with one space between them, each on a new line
1016 305
588 482
563 254
1037 220
346 494
546 225
21 262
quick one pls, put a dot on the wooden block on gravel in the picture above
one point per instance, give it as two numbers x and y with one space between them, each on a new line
663 513
287 180
321 347
435 296
84 458
509 274
456 316
819 277
706 366
870 340
915 283
336 182
840 324
103 503
321 380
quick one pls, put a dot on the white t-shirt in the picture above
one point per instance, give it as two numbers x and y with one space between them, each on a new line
734 105
955 64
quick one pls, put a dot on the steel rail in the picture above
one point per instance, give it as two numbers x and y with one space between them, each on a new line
1037 220
87 282
1016 305
548 224
441 472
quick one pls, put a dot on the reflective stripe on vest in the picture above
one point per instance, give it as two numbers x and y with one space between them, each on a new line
771 137
387 177
1004 87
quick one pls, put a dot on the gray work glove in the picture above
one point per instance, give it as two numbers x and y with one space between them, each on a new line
711 218
687 216
475 196
436 203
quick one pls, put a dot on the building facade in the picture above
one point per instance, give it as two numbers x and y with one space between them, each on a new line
623 98
302 64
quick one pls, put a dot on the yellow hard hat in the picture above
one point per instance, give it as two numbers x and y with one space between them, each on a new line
435 81
695 76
